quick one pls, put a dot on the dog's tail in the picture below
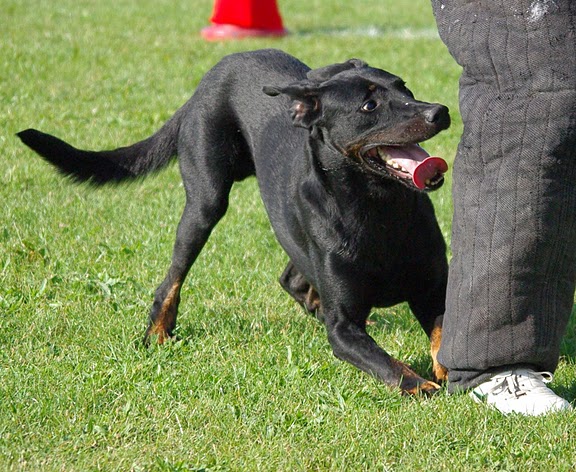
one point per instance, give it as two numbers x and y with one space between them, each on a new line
100 167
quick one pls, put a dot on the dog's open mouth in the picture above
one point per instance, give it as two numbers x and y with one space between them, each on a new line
409 163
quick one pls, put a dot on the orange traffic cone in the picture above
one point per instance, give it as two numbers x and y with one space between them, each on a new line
237 19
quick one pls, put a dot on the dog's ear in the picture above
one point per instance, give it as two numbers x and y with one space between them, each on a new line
327 72
306 107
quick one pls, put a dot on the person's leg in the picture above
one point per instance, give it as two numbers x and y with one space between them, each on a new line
512 276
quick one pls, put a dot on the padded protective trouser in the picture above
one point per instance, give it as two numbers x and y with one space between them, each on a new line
513 271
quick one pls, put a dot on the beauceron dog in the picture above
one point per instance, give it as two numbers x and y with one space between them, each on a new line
336 154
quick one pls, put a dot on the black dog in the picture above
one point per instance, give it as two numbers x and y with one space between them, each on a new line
337 160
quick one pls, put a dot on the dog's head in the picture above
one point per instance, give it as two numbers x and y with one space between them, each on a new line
370 116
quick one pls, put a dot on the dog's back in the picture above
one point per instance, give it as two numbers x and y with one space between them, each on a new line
229 101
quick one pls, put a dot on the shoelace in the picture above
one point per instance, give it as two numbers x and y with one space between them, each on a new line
511 383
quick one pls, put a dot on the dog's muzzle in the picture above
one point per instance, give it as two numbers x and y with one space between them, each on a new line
409 163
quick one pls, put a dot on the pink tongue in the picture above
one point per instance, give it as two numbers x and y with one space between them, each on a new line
428 169
416 161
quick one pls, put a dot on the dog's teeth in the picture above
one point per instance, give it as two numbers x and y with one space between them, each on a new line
427 182
394 165
383 155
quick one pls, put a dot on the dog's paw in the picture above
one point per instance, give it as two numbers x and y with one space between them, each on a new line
156 334
410 382
419 387
439 372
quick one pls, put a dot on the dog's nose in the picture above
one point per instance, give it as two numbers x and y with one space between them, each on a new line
435 113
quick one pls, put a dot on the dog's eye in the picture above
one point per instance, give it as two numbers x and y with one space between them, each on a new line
369 105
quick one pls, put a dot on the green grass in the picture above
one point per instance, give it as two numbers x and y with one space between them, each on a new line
252 384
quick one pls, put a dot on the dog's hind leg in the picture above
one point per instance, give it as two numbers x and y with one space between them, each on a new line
207 178
193 232
298 287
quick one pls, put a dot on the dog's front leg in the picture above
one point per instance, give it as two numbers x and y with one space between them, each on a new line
439 371
350 342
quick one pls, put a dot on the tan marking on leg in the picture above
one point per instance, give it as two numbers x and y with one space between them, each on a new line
411 383
312 300
166 317
438 370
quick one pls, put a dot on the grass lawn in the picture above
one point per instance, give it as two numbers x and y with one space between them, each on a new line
252 383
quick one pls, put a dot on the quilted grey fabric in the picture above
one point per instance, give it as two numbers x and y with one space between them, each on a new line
513 272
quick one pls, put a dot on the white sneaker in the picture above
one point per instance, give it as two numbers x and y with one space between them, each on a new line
520 391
